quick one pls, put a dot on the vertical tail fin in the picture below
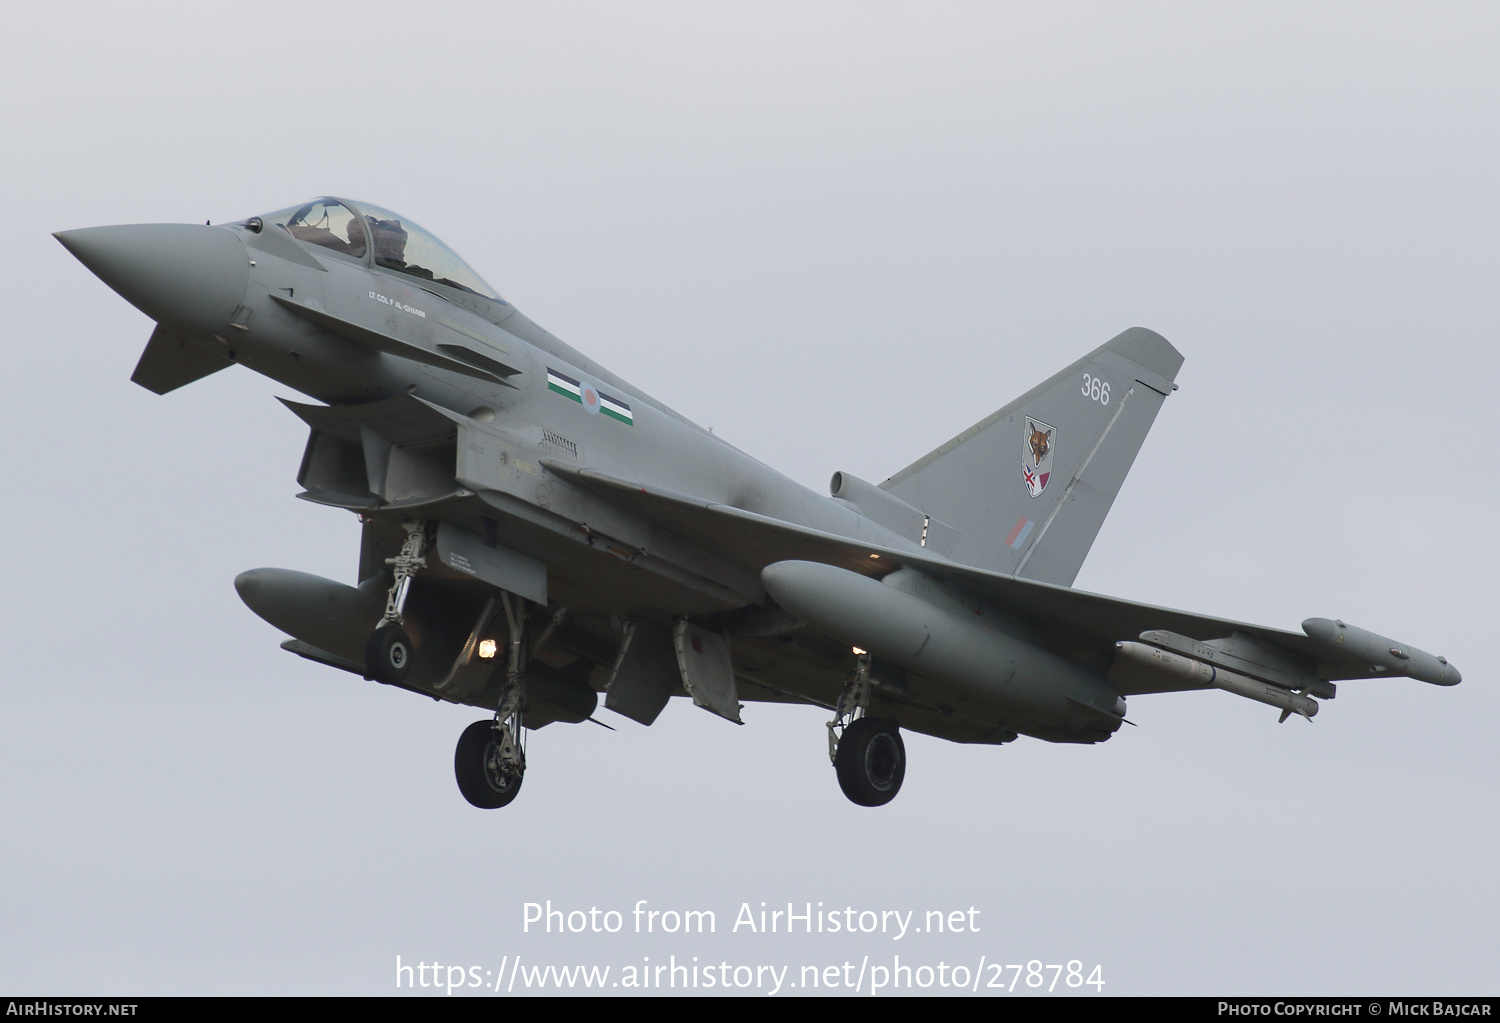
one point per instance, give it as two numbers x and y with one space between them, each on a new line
1028 487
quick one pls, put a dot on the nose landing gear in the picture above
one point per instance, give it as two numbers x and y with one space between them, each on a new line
388 654
388 651
490 759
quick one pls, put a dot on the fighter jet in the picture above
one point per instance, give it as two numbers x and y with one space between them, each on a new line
537 531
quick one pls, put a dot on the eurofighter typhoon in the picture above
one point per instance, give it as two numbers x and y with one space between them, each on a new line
537 531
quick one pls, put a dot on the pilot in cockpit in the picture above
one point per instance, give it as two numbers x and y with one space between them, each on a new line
390 242
356 237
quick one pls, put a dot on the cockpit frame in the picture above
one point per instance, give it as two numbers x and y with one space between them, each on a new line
379 239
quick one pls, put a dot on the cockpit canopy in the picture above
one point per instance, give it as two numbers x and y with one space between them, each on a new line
368 234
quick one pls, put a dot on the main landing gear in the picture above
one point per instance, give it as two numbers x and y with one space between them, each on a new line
485 777
490 760
491 757
867 753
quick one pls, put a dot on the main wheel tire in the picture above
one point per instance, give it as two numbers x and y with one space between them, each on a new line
476 765
388 654
871 761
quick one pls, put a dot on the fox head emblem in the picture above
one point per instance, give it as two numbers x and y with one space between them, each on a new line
1040 440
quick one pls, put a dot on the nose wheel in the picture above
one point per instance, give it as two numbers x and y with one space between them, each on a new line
389 649
486 777
388 654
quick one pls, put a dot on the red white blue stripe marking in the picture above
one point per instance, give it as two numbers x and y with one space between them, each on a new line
1019 532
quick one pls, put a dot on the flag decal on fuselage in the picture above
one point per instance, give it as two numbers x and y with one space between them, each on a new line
590 397
1019 532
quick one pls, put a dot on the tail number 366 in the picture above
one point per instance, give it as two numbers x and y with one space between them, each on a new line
1096 389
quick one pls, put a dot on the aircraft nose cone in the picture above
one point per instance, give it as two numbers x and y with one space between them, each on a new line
183 275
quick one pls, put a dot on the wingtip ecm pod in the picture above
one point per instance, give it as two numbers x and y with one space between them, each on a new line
1379 654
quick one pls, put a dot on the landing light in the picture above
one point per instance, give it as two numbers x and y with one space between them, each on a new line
486 648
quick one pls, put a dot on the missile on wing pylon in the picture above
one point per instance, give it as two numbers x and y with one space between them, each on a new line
1194 670
916 622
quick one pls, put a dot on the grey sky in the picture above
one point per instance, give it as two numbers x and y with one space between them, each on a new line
838 234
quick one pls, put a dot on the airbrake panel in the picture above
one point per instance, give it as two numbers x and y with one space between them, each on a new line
707 669
645 672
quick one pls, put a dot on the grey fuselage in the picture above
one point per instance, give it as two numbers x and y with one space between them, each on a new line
659 447
523 420
643 545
